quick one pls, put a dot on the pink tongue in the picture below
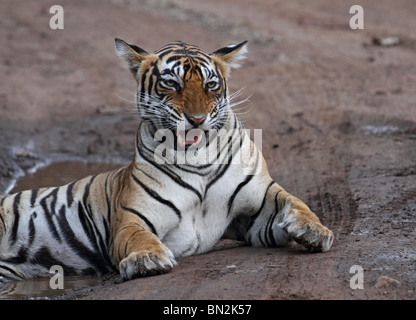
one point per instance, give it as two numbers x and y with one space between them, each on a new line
190 141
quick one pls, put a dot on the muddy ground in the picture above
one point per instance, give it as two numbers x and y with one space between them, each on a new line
337 108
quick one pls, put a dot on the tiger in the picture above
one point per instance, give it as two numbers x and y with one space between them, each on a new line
139 219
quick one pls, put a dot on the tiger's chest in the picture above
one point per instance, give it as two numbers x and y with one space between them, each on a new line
190 221
202 225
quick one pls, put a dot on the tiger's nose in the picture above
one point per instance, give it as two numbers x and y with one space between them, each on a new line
195 120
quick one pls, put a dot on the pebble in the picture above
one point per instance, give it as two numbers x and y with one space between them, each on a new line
386 282
386 41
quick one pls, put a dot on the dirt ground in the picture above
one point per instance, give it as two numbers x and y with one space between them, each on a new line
337 108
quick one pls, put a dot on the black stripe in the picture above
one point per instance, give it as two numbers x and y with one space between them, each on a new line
167 71
236 191
87 192
51 190
269 230
170 174
33 197
181 52
196 169
31 230
9 270
92 232
218 174
54 195
85 223
154 70
95 237
138 99
150 85
151 226
20 258
143 84
161 54
106 237
16 202
49 212
171 59
3 222
93 258
126 242
200 59
206 56
146 174
157 197
241 185
107 221
69 195
254 217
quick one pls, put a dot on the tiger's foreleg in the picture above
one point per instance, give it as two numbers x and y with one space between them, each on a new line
302 224
137 251
283 217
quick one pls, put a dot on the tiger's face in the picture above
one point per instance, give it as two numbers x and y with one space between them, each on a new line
181 86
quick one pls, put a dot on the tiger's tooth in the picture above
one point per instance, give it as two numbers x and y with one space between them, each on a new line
180 139
198 139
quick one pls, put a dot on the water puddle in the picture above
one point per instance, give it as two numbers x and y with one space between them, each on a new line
41 289
55 174
60 173
380 129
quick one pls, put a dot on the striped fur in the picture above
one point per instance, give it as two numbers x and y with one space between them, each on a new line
136 220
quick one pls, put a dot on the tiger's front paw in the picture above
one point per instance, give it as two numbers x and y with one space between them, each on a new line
306 229
315 238
147 262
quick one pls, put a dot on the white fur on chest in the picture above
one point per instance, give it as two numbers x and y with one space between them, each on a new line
201 223
208 200
201 227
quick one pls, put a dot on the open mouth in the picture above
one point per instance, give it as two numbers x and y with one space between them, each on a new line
187 138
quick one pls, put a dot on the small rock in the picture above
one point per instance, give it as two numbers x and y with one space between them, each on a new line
274 266
386 282
386 41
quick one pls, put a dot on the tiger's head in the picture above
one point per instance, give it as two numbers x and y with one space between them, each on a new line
180 84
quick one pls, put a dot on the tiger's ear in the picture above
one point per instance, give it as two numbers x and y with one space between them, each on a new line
131 54
232 55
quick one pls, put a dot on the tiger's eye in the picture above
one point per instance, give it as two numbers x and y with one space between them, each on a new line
170 83
211 85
